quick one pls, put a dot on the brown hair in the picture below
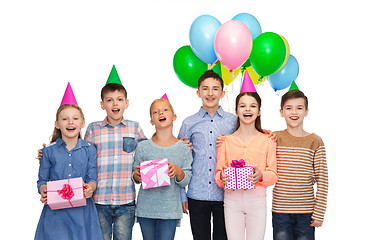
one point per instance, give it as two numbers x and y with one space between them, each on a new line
258 100
112 87
210 74
57 132
292 95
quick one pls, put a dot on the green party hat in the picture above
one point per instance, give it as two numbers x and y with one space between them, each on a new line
113 77
293 86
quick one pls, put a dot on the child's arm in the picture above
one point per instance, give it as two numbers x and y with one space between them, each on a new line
136 165
44 170
89 189
137 174
321 177
269 175
91 175
220 178
43 191
185 173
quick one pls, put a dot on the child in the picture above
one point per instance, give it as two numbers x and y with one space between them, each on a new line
115 139
301 162
247 208
68 156
159 209
205 198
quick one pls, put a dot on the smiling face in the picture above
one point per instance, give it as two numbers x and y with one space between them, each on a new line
162 114
247 109
294 111
114 103
70 122
210 91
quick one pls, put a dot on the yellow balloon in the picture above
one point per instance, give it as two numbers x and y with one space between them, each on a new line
287 53
228 76
256 78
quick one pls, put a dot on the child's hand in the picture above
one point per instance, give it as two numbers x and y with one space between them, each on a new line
185 207
255 178
137 175
174 170
220 140
316 223
39 152
271 134
224 177
43 190
186 141
88 189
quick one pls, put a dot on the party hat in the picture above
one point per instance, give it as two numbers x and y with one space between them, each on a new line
165 97
247 85
293 86
68 97
113 77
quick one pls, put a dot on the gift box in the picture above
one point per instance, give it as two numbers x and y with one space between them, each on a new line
238 173
65 193
154 173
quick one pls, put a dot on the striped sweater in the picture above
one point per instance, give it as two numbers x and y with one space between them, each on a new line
301 162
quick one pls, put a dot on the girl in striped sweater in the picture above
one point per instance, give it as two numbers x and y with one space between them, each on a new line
301 162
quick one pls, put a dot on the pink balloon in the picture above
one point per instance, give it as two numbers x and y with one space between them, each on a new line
233 44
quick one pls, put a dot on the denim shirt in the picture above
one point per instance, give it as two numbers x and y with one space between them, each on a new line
202 130
59 163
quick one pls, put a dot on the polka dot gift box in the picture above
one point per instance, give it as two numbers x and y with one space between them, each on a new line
238 172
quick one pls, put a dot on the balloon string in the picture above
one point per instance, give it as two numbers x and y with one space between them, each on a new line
210 66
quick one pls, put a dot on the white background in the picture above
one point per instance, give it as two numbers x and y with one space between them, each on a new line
45 44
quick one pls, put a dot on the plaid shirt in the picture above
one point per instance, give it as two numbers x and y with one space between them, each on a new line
115 148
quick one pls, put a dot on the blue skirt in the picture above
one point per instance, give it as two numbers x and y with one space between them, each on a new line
69 223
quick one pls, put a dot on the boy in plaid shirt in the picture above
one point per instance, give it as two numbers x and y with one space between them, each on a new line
115 139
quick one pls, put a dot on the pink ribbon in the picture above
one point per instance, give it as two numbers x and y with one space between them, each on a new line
66 192
238 163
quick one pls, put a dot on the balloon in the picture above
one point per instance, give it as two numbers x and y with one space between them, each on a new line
188 66
256 78
251 22
202 34
287 52
284 78
229 76
268 53
233 44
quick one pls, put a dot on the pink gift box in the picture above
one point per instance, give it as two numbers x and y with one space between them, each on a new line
238 177
154 173
65 193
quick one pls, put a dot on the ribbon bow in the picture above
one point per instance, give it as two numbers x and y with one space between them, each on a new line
66 192
238 163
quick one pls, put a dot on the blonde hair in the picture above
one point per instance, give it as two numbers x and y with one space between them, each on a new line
160 100
57 132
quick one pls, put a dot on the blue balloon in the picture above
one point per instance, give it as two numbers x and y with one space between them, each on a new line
202 34
251 22
284 77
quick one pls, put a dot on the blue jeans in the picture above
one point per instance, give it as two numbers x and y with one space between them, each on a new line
157 229
117 220
292 226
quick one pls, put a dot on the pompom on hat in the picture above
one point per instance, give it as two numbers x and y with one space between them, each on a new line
68 97
113 77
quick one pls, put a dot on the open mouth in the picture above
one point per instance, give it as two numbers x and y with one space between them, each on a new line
247 115
294 118
71 129
162 119
115 110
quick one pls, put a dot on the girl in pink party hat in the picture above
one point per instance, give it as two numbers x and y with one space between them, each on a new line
159 209
67 157
245 209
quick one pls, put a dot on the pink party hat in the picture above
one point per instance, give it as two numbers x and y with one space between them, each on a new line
68 97
247 85
165 97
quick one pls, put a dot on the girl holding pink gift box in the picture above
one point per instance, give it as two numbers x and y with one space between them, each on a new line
159 209
246 209
67 157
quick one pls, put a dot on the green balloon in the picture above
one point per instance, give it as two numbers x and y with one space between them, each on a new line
188 66
268 53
